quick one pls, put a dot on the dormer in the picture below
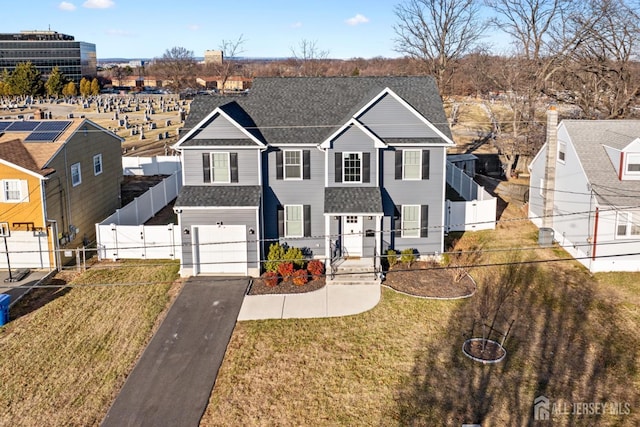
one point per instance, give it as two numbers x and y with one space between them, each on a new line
626 161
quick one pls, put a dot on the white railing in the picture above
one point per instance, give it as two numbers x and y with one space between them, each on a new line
158 165
477 212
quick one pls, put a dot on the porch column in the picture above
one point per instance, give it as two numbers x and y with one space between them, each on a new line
327 238
378 241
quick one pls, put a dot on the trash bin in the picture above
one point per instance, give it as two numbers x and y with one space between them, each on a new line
4 309
545 237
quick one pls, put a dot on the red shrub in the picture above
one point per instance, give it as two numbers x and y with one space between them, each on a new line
300 277
270 278
285 269
316 268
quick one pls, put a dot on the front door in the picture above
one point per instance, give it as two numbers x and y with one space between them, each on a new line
352 235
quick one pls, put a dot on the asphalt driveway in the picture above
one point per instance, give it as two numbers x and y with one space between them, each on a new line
172 381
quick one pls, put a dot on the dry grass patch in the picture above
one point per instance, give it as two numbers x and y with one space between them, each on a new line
401 363
64 363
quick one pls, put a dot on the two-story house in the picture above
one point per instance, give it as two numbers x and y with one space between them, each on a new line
58 178
587 189
340 166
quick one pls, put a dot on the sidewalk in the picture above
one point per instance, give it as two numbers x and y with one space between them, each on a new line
330 301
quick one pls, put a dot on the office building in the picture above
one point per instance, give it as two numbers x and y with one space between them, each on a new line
48 49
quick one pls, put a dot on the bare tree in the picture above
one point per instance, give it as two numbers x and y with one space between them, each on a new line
229 66
177 66
310 58
438 32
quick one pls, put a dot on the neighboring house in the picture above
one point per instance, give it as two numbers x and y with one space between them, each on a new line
233 83
341 166
59 177
593 203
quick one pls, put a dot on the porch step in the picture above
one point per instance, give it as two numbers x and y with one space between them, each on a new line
353 274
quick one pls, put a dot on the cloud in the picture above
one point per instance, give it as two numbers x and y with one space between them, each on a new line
296 24
356 20
193 27
98 4
65 5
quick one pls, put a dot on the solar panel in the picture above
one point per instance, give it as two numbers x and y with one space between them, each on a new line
27 126
4 125
56 125
49 136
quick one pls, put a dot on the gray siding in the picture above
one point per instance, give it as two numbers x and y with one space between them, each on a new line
352 140
191 217
220 128
428 192
248 166
389 119
299 192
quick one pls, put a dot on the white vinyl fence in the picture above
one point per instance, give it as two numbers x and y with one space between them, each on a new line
158 165
477 212
27 249
123 235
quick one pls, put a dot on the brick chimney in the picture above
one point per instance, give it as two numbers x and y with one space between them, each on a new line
550 167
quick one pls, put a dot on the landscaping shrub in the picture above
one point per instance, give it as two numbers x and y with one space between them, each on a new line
285 269
270 278
295 256
315 268
408 256
392 257
300 277
275 257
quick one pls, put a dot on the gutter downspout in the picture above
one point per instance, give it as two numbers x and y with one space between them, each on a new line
595 234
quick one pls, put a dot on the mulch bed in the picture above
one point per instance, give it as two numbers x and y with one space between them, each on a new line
492 350
428 279
258 287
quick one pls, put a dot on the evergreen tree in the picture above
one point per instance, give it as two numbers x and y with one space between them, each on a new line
55 83
70 89
95 87
26 80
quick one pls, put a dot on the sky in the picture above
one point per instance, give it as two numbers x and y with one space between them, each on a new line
138 29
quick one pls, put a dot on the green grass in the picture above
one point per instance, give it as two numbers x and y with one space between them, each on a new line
64 363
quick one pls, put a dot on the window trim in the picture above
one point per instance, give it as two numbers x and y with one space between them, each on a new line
629 162
79 168
285 164
345 154
562 152
628 224
99 157
286 221
212 167
418 221
5 191
404 165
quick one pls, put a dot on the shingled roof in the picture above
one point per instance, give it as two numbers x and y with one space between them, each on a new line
589 138
309 109
15 152
219 195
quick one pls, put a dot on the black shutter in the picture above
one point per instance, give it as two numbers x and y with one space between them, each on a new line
398 164
279 174
233 159
424 221
306 164
206 167
397 220
280 221
425 164
338 167
366 167
306 212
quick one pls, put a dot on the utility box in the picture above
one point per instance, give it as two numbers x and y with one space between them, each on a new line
4 309
545 237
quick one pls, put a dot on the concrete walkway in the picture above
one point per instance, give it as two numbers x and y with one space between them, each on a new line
330 301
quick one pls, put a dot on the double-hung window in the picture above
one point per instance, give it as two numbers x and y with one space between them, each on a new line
410 220
628 224
12 190
97 164
293 221
220 171
412 164
293 164
76 174
352 167
562 151
633 164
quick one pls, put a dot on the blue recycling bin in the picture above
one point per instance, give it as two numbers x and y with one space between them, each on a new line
4 309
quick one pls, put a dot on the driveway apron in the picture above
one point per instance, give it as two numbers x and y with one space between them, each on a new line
171 383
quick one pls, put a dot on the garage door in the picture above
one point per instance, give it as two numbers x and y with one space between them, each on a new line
220 249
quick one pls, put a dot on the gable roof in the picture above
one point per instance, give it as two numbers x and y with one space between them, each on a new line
14 152
294 110
588 138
